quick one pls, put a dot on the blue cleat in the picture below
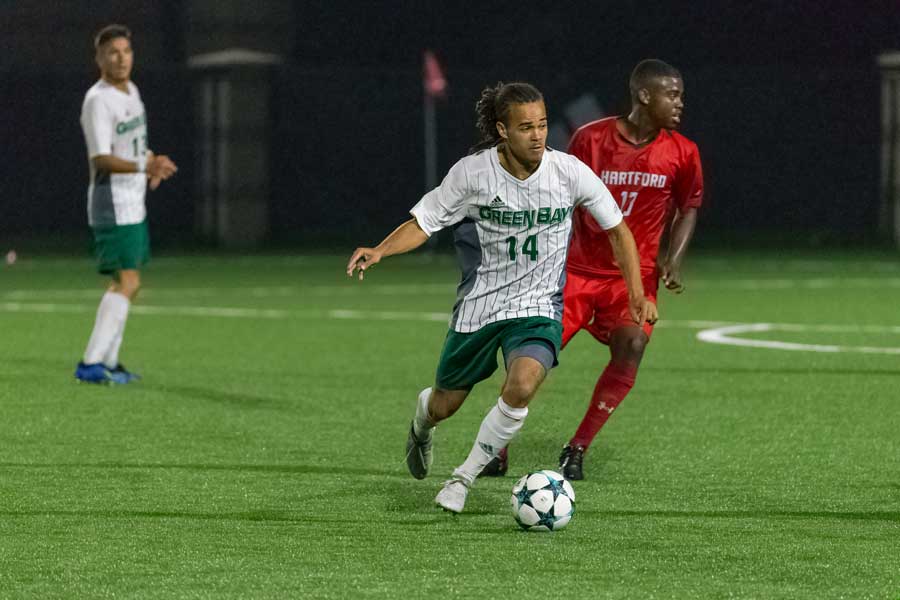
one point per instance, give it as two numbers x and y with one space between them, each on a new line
122 375
95 373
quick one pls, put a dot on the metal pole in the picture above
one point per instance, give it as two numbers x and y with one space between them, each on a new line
430 154
889 209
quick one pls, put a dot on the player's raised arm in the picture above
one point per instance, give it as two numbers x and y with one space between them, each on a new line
405 238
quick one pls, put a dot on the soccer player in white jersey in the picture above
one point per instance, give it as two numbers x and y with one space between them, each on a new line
510 206
115 130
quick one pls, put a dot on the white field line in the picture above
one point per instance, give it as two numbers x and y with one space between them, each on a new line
323 291
363 315
714 332
726 335
822 265
143 309
257 313
439 289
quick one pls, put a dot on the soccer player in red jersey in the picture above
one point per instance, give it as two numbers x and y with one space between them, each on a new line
655 175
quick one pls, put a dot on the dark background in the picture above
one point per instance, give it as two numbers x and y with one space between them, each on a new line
783 101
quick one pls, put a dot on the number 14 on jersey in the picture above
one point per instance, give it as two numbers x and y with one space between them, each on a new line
529 248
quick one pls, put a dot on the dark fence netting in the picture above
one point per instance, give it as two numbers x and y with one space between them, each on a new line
785 150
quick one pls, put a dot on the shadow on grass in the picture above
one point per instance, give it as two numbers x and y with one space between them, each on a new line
749 514
219 396
541 450
257 515
782 371
269 516
140 514
42 363
287 469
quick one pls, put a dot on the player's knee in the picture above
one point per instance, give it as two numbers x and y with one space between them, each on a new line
130 284
637 344
131 289
519 389
445 403
630 347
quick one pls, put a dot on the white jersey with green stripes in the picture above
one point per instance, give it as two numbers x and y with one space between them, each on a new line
115 123
512 235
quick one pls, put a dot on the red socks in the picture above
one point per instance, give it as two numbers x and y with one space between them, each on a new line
613 385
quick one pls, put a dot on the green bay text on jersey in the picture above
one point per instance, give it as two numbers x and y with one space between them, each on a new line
543 215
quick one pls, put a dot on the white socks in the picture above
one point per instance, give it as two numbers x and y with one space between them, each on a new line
111 358
109 327
499 426
422 423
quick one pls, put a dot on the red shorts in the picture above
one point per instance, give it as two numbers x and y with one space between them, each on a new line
599 305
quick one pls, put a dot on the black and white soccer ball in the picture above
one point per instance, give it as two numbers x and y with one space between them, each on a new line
543 501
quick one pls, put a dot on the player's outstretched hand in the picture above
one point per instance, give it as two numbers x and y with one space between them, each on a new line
643 310
362 259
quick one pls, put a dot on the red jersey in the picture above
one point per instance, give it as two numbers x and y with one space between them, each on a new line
648 182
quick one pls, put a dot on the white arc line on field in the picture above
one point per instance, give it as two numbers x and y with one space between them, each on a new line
725 335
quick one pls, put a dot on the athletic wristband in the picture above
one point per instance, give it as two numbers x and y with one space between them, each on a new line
142 163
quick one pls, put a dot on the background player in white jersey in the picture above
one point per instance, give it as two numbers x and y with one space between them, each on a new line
510 205
115 130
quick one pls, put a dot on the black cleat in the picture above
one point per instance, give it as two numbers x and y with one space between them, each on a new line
418 453
570 461
498 465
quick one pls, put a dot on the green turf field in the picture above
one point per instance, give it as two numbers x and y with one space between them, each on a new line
262 454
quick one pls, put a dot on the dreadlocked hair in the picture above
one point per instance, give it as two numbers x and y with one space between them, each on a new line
494 105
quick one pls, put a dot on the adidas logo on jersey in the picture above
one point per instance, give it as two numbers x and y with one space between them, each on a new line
497 202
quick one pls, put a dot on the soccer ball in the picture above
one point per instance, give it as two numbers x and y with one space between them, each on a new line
543 501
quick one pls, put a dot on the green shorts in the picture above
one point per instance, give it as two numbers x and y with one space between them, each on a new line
119 247
468 358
